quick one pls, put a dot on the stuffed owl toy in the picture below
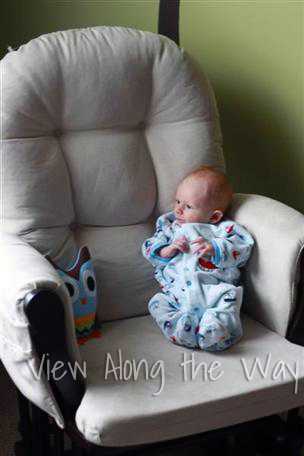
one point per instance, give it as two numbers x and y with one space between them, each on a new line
81 284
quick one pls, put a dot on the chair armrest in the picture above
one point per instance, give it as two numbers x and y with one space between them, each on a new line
23 270
45 312
272 275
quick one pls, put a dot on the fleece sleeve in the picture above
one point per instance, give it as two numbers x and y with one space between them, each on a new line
232 245
162 237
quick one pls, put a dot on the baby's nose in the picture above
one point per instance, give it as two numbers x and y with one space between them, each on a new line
178 210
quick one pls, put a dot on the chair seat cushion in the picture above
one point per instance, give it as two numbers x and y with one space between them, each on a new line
120 412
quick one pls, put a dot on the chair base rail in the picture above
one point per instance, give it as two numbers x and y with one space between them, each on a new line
268 436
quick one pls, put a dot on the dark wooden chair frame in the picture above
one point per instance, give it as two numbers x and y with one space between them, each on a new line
270 435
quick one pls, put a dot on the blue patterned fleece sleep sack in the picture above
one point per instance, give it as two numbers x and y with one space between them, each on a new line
200 302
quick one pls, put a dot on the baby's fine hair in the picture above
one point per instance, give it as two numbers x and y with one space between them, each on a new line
219 188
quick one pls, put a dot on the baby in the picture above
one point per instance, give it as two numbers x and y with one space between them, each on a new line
197 253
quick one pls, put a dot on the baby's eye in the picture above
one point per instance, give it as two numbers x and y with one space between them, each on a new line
177 201
188 206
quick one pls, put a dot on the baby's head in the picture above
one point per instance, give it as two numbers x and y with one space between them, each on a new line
203 196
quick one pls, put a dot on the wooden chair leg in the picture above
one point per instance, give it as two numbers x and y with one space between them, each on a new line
34 430
41 432
295 433
77 450
280 437
25 427
245 444
58 441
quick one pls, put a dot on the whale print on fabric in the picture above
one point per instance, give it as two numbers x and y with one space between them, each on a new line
200 300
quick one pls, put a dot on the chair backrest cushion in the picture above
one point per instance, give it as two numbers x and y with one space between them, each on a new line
99 126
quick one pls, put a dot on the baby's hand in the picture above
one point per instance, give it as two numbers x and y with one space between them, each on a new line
179 245
204 248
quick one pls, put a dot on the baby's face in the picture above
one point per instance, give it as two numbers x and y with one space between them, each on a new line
192 203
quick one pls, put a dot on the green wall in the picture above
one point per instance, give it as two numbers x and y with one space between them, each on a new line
253 53
25 19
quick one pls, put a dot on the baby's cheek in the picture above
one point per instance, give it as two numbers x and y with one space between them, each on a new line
195 217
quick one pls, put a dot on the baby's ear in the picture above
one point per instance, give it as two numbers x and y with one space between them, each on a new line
216 216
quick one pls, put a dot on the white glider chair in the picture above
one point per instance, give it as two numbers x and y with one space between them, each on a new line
99 125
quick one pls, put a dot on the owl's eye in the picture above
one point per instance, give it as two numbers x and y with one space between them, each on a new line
72 287
89 283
